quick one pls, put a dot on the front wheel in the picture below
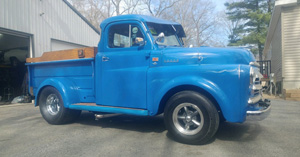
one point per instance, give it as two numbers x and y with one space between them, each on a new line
191 117
52 107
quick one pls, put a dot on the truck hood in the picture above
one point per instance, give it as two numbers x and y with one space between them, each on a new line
207 55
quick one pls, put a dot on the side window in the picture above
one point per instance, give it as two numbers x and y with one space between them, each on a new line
137 37
125 35
118 36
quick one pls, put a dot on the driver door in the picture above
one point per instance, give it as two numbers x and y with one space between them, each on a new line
124 67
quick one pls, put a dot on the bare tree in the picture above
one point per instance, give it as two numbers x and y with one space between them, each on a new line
97 10
232 28
199 20
198 17
94 11
158 7
130 6
204 21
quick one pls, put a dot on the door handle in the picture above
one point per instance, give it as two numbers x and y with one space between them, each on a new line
147 55
105 59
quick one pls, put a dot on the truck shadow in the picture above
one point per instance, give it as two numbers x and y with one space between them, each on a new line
125 122
245 132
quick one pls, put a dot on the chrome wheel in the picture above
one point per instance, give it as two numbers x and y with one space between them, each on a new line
188 118
52 103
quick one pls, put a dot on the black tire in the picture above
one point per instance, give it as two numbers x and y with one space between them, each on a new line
54 111
185 124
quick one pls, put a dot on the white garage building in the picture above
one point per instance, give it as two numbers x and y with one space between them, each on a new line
30 27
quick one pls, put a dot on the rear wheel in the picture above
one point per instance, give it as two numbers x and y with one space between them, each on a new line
191 117
52 107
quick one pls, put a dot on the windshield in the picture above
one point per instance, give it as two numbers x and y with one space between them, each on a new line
169 32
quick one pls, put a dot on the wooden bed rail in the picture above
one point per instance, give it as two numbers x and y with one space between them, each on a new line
85 52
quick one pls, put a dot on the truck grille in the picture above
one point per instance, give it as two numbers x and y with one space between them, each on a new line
255 84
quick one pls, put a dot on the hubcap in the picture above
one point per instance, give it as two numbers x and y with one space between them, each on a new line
52 103
188 118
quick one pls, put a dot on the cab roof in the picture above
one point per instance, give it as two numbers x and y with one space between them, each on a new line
131 17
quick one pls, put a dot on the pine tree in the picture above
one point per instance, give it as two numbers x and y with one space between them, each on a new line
256 15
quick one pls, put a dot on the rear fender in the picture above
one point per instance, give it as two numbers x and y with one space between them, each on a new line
65 87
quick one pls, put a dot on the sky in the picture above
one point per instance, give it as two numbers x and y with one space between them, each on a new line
220 8
220 5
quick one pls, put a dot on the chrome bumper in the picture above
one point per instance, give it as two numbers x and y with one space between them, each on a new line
259 111
254 99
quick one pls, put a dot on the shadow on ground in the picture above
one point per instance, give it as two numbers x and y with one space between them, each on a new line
244 132
125 122
227 131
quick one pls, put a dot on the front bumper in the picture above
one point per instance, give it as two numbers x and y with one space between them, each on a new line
259 111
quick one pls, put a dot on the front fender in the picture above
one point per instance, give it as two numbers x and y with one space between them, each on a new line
202 83
65 87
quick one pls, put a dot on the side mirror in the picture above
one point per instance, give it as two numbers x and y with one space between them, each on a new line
140 41
160 38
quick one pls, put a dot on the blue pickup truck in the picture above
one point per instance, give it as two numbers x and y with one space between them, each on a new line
141 67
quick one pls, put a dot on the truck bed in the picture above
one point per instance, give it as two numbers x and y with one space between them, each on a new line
75 65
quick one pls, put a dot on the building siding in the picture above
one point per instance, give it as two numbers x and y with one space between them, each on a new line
46 20
276 50
291 47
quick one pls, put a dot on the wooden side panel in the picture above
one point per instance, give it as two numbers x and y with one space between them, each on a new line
86 52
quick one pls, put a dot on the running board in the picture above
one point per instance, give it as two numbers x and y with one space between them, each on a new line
108 109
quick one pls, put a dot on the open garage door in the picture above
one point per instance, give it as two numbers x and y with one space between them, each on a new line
14 49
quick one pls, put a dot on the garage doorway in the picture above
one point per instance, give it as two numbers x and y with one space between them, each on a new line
14 49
